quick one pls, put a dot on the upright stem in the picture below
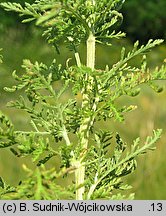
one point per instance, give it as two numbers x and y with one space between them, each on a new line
86 121
77 57
91 51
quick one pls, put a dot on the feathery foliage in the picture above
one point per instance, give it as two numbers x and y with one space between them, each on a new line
96 160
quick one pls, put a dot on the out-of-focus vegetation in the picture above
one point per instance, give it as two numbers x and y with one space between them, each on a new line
10 20
18 44
144 19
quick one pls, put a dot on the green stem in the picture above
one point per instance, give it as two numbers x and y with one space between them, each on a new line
91 51
77 57
38 193
86 122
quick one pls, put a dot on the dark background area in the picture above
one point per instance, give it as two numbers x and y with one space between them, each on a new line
144 20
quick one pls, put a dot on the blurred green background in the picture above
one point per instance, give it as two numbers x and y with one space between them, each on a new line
142 20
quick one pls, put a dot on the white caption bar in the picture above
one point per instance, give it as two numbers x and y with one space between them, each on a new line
101 207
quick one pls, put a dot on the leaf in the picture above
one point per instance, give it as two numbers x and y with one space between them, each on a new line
0 57
45 18
156 87
2 184
28 20
15 152
46 159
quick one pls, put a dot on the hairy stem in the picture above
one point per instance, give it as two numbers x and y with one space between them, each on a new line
91 51
86 121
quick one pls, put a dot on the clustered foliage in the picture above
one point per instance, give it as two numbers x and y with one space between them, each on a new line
94 160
